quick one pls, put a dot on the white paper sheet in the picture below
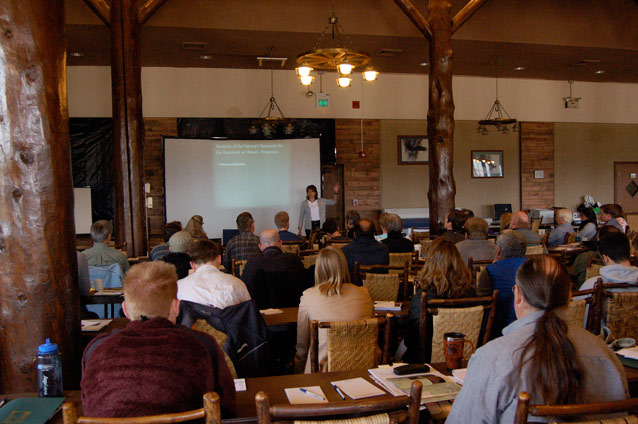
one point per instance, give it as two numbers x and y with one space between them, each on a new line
358 388
296 396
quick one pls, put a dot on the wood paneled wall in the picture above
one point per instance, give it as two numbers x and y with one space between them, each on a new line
537 153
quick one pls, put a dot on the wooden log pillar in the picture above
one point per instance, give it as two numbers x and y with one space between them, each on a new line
128 153
440 114
39 295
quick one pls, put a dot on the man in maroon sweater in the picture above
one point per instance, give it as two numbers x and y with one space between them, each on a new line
153 366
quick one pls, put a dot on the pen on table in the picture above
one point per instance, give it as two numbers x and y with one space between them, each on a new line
339 392
2 403
309 393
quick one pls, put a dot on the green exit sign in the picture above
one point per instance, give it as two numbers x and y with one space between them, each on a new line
323 100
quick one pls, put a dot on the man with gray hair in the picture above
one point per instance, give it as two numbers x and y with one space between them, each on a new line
476 245
395 242
501 276
520 223
275 279
101 254
564 220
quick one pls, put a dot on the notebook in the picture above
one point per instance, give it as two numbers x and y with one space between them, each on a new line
358 388
30 410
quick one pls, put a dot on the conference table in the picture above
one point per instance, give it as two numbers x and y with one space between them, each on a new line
274 386
107 297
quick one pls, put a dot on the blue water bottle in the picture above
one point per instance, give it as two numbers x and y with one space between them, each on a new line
49 367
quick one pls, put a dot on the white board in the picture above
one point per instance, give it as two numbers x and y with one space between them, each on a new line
82 209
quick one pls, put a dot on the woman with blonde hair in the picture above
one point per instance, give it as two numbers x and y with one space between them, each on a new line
539 353
194 227
332 298
443 276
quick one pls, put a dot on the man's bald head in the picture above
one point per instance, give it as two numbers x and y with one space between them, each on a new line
519 220
269 238
366 228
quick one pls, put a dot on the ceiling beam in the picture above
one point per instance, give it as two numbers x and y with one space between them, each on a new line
416 17
149 7
465 13
101 9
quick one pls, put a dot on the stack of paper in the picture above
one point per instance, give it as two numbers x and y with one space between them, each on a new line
436 386
383 305
358 388
271 311
629 352
459 375
95 325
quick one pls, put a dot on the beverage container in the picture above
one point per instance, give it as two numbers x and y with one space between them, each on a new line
99 284
49 369
453 349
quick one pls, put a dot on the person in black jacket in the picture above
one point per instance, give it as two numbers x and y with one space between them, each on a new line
395 242
365 249
275 279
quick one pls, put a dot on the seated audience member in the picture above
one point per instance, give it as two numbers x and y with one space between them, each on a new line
505 220
579 269
443 276
365 249
540 353
510 255
101 254
454 226
161 250
331 230
476 245
332 298
588 225
207 285
352 223
612 214
615 250
275 279
282 221
520 224
244 245
564 220
153 366
180 244
395 242
195 228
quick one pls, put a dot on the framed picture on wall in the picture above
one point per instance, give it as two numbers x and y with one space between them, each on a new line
487 164
412 149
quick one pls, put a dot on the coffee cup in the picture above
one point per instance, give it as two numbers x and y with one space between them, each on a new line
623 343
453 344
98 283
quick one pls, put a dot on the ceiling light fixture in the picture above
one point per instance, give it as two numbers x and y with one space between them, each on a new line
338 54
520 68
76 54
497 116
269 122
571 102
424 64
600 71
206 57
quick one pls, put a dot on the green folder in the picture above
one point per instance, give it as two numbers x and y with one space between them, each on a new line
29 410
630 362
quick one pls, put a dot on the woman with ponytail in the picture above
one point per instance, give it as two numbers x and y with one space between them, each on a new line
538 353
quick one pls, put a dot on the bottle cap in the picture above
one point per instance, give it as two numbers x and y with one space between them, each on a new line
48 347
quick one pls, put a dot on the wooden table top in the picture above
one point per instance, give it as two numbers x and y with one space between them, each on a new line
275 386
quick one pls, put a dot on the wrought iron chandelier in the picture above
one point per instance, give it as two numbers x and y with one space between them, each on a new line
497 116
339 55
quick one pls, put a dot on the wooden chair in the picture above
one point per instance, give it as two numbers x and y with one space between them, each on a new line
569 238
338 243
401 409
211 412
383 286
476 267
536 224
619 309
455 315
293 247
593 267
351 345
576 312
237 267
418 236
535 250
220 338
580 411
398 259
308 257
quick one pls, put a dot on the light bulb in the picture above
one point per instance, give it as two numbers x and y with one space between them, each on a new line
303 70
307 80
345 68
370 75
344 82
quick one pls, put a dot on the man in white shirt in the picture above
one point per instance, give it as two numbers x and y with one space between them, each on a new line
207 285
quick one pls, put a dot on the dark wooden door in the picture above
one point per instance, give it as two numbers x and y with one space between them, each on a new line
329 175
625 183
